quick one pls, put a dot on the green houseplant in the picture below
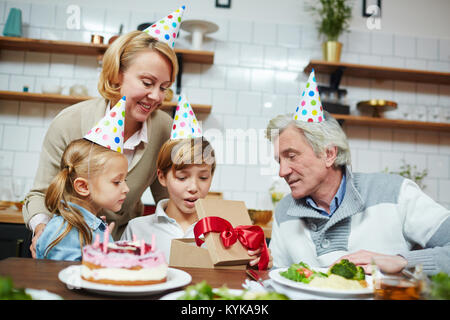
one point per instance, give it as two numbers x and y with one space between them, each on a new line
333 19
411 172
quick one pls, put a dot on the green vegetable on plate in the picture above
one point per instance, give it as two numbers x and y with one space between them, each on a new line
203 291
8 292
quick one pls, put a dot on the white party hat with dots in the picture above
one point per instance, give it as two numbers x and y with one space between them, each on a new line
310 107
185 124
166 29
109 131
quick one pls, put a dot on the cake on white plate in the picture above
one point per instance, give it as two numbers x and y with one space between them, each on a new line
123 262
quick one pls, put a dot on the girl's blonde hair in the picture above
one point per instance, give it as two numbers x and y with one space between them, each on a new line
181 153
82 158
120 55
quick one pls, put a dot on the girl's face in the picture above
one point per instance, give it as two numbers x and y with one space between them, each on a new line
187 185
108 189
144 84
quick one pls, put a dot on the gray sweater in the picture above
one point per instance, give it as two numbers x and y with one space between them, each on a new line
380 212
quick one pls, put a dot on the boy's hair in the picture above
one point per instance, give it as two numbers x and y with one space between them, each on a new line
82 158
181 153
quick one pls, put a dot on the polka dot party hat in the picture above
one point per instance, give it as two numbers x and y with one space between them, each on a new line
109 131
310 107
166 29
185 124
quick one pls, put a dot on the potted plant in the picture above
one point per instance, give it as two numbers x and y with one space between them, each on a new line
333 20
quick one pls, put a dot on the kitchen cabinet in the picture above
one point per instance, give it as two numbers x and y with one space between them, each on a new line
15 238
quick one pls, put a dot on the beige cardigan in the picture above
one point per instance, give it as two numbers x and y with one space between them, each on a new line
73 123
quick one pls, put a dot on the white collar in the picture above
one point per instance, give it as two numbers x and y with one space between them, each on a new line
161 209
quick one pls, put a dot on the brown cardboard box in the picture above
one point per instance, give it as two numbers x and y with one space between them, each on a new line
236 213
185 253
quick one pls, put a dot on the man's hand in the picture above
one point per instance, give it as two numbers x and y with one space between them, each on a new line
386 263
37 233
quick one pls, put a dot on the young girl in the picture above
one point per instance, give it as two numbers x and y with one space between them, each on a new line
185 167
91 178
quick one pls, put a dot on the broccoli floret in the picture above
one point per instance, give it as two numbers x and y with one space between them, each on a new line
360 275
348 270
342 270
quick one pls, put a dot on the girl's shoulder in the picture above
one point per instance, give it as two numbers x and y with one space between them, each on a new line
67 249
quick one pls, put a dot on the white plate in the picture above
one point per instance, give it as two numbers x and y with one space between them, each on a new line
277 277
42 294
71 276
175 295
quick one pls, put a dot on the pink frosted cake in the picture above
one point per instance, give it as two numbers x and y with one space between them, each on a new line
123 263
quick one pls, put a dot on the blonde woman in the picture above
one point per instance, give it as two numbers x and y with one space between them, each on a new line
141 68
91 178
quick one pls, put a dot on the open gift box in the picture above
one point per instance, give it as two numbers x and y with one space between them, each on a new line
219 252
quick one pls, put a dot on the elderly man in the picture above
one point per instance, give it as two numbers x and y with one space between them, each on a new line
333 213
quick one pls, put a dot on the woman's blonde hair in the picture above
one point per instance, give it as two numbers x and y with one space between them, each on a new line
81 158
181 153
120 55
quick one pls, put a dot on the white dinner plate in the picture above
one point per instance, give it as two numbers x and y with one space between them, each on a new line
71 276
175 295
277 277
37 294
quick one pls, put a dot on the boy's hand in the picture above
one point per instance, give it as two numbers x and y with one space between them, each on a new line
257 253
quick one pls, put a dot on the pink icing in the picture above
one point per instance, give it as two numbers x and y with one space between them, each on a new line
124 258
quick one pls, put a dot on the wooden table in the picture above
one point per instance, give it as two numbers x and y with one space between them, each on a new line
43 274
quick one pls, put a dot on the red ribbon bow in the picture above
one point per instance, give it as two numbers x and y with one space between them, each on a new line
251 237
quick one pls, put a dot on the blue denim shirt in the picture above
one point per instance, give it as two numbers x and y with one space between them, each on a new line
69 247
337 200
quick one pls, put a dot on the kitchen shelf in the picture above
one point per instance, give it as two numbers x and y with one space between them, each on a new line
63 99
378 72
392 123
82 48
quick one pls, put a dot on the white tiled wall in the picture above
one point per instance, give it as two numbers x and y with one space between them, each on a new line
256 75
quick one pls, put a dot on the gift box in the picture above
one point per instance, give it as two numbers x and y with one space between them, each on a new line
184 252
235 212
217 220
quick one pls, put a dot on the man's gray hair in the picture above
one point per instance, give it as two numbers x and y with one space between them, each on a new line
320 135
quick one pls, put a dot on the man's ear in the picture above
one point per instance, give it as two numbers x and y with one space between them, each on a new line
161 178
330 156
81 187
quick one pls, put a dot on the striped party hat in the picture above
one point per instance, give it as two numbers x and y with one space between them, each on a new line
310 107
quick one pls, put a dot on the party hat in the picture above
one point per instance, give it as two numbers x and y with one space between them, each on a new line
310 107
166 29
109 131
185 124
